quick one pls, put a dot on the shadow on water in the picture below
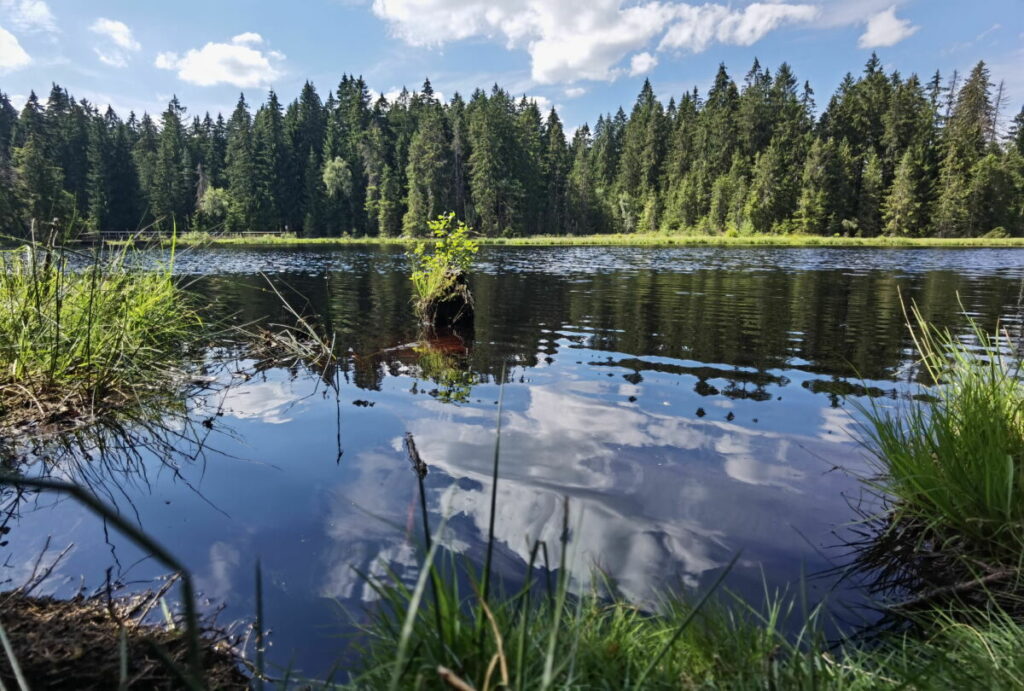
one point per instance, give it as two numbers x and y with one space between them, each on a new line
689 403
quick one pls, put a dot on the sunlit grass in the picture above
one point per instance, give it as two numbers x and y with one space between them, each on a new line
74 337
953 461
652 239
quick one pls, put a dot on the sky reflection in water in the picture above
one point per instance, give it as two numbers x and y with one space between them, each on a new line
687 402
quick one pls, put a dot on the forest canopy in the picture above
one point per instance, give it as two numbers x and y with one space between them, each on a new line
887 155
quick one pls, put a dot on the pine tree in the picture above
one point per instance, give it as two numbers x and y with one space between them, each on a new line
240 170
555 168
98 175
817 210
1015 136
144 155
428 174
172 194
270 164
869 216
965 141
583 209
40 185
904 209
8 123
765 206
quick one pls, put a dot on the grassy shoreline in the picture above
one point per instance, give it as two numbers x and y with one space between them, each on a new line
617 240
87 337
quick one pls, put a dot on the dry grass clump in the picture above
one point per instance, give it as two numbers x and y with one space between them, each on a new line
100 643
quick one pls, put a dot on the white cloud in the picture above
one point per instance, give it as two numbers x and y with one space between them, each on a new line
238 63
248 38
12 55
699 27
543 103
29 15
642 63
584 39
393 94
886 29
120 41
575 92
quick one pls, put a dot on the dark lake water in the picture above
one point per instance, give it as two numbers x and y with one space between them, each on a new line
689 403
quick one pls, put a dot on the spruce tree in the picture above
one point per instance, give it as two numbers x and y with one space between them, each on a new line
240 170
904 210
172 194
965 142
869 216
428 174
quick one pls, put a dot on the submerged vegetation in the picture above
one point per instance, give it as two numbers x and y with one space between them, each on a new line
84 334
441 271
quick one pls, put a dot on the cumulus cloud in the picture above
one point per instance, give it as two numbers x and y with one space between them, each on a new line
585 39
543 103
642 63
575 92
12 55
886 29
242 62
29 15
248 38
699 27
119 43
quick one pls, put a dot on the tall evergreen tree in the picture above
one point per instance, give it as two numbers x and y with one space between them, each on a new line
240 170
172 193
966 143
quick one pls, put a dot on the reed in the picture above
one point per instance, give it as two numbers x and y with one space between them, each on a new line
951 459
82 333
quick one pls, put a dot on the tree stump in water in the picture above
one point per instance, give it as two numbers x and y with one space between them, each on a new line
454 309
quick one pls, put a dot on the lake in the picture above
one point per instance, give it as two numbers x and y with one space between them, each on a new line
689 403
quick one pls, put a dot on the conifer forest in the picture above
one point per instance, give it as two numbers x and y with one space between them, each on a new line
885 154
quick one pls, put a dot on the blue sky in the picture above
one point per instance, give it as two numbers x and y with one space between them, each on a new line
584 56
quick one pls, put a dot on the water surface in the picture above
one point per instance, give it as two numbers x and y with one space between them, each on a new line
690 403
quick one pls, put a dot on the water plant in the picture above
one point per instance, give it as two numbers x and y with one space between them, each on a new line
440 272
950 462
81 333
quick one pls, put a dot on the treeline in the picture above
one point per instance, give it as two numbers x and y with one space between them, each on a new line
888 155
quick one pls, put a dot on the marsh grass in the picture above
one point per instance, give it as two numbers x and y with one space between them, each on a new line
82 334
625 240
950 464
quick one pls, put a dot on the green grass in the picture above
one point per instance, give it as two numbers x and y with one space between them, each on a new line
76 339
599 642
952 462
654 239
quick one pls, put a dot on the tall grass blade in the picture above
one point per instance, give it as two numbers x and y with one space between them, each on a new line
409 622
656 660
15 667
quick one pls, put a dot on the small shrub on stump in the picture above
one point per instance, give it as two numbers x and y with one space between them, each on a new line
440 273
